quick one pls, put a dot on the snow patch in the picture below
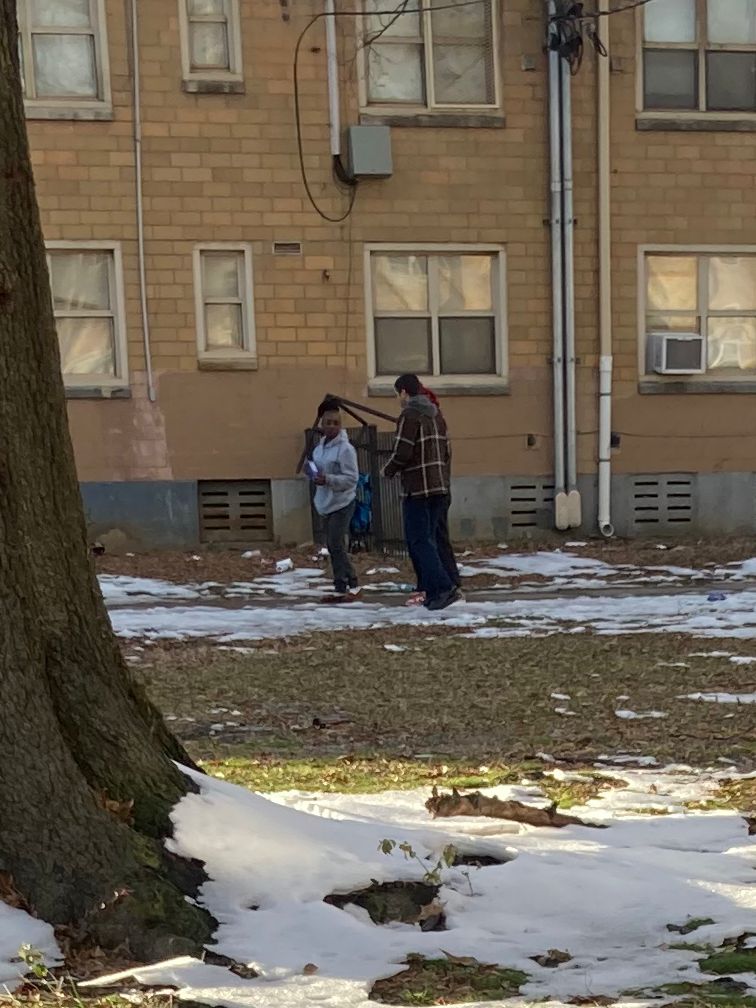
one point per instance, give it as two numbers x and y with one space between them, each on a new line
565 889
726 698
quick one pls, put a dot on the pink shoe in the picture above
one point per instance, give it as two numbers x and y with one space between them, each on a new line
416 598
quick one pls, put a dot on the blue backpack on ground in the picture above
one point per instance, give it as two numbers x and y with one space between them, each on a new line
359 526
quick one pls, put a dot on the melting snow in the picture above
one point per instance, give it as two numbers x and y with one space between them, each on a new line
736 698
690 613
606 896
629 715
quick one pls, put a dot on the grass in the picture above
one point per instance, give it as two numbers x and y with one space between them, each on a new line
29 994
730 961
479 701
447 981
713 989
732 794
690 925
368 775
710 1000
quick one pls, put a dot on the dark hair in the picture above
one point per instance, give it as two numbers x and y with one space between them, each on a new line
329 405
408 383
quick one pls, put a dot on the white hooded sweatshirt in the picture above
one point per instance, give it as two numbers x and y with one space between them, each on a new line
337 460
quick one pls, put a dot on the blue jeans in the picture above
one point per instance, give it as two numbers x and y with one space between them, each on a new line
445 550
422 516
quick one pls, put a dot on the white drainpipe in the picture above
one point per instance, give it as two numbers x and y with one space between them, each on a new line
334 112
140 202
574 517
605 293
561 512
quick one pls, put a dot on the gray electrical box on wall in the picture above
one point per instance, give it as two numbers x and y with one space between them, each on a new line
369 151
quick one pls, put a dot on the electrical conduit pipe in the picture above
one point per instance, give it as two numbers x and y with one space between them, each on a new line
140 202
605 293
574 516
334 112
561 516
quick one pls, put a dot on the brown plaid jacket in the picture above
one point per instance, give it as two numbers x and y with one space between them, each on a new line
421 452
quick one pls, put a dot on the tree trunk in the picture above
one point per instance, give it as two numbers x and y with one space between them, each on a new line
75 729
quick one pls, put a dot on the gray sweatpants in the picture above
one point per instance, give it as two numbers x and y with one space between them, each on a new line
336 526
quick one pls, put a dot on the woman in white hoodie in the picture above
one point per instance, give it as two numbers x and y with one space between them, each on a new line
336 490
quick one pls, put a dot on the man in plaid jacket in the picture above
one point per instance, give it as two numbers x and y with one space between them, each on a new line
421 456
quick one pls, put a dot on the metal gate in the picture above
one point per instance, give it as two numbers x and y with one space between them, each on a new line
373 449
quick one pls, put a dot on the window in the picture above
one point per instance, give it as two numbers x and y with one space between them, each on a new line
699 55
437 312
712 295
223 294
62 49
88 304
430 58
210 42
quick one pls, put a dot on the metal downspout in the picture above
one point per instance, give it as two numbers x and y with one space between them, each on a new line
574 517
605 291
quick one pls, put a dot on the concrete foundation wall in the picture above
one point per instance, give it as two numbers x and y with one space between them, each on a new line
163 514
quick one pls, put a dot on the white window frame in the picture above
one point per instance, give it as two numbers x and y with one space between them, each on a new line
747 377
430 105
194 79
247 352
441 381
121 377
68 107
701 46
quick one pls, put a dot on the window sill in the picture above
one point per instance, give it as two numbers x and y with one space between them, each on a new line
98 392
96 111
439 120
488 386
213 85
227 363
653 386
697 122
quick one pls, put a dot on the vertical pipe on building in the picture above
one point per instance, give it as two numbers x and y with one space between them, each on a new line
568 228
557 302
334 111
140 201
605 291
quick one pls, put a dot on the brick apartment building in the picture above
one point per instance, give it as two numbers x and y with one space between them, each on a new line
204 306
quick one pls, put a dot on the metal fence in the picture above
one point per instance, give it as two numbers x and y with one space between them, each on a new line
373 448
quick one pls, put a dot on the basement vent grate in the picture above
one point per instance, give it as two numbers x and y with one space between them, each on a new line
530 504
660 501
235 511
283 248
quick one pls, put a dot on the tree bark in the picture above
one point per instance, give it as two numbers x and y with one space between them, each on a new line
75 729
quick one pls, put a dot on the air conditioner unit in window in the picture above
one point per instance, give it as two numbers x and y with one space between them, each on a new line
677 353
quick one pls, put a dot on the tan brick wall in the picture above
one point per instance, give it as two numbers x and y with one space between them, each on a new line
673 188
224 168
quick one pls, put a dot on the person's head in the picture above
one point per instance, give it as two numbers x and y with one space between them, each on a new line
330 421
406 386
